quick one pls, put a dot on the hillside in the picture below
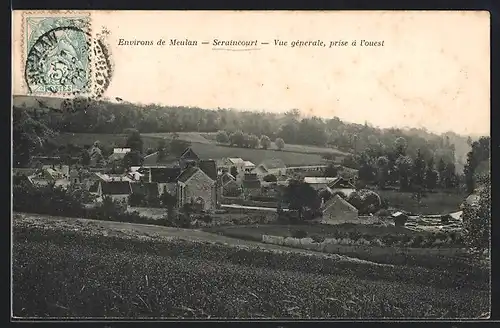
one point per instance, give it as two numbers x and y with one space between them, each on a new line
199 125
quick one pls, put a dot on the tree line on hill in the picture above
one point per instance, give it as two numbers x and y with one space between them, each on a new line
82 116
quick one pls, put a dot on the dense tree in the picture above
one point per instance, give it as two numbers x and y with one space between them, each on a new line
418 171
431 175
29 136
300 196
400 145
477 219
270 178
253 141
331 171
404 164
279 143
134 141
382 169
480 151
132 158
265 142
237 139
222 137
366 201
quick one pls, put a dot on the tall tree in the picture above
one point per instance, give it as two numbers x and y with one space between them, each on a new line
404 164
265 141
301 195
382 169
134 141
279 143
431 175
418 171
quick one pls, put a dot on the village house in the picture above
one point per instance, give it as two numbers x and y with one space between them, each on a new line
118 191
251 185
230 188
337 211
165 178
272 166
194 186
57 174
249 166
188 158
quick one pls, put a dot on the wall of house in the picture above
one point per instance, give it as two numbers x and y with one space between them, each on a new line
119 198
202 186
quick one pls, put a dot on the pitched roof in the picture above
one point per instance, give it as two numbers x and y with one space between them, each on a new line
319 180
116 188
340 183
226 178
153 159
187 173
274 163
165 174
338 202
236 160
249 164
189 153
209 167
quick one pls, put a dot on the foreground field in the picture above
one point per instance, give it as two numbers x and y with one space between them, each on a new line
203 149
65 273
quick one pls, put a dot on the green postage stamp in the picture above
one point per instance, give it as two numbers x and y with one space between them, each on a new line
57 53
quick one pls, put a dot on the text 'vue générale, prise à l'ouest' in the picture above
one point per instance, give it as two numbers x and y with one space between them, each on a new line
177 42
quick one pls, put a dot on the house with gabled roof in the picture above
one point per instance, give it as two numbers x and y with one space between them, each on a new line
117 190
337 211
273 166
194 186
188 157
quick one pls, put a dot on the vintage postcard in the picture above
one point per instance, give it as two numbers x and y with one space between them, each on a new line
235 165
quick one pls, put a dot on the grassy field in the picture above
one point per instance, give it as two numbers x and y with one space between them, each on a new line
204 150
61 273
451 256
433 203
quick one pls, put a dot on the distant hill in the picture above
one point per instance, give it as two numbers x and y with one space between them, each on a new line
117 116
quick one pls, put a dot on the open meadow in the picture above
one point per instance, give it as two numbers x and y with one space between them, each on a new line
206 148
432 203
85 268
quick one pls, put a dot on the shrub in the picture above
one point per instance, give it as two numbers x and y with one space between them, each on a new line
206 218
270 178
417 241
318 239
384 213
299 234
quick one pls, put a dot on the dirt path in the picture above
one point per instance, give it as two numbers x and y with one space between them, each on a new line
112 228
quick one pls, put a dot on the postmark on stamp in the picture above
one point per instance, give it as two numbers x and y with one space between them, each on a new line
62 57
58 54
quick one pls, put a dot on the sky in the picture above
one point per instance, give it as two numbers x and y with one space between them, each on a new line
432 72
